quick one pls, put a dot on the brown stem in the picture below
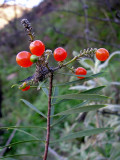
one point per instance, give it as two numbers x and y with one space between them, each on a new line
48 118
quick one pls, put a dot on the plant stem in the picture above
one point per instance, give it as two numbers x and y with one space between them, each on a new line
48 117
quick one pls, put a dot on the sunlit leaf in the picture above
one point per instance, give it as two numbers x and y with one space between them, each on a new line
94 90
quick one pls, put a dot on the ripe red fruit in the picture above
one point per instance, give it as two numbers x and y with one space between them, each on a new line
37 47
80 71
26 88
102 54
60 54
23 59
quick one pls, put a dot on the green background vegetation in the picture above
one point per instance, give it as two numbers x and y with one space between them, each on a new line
61 23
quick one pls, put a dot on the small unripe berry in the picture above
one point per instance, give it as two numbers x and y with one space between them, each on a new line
23 85
23 59
80 71
37 47
60 54
102 54
33 58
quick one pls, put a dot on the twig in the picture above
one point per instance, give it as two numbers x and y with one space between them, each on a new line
85 7
48 117
9 139
82 37
90 17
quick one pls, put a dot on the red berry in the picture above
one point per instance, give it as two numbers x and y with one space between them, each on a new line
23 59
37 47
60 54
102 54
26 88
80 71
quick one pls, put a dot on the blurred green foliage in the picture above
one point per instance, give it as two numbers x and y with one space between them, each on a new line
59 28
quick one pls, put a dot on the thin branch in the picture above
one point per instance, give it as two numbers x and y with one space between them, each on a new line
90 17
48 117
85 7
82 37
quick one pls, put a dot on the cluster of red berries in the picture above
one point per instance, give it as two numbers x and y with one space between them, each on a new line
37 48
101 54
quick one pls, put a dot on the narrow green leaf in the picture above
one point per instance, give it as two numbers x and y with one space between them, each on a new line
82 134
45 90
94 90
92 97
33 107
23 127
80 109
27 133
19 155
20 142
63 100
55 93
59 120
81 81
70 74
14 85
65 116
40 85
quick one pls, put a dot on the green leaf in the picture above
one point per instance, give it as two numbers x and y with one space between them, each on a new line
70 74
22 127
65 116
80 109
88 63
94 90
81 81
55 93
82 134
33 107
20 142
45 90
19 155
59 120
14 85
40 85
27 133
93 97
